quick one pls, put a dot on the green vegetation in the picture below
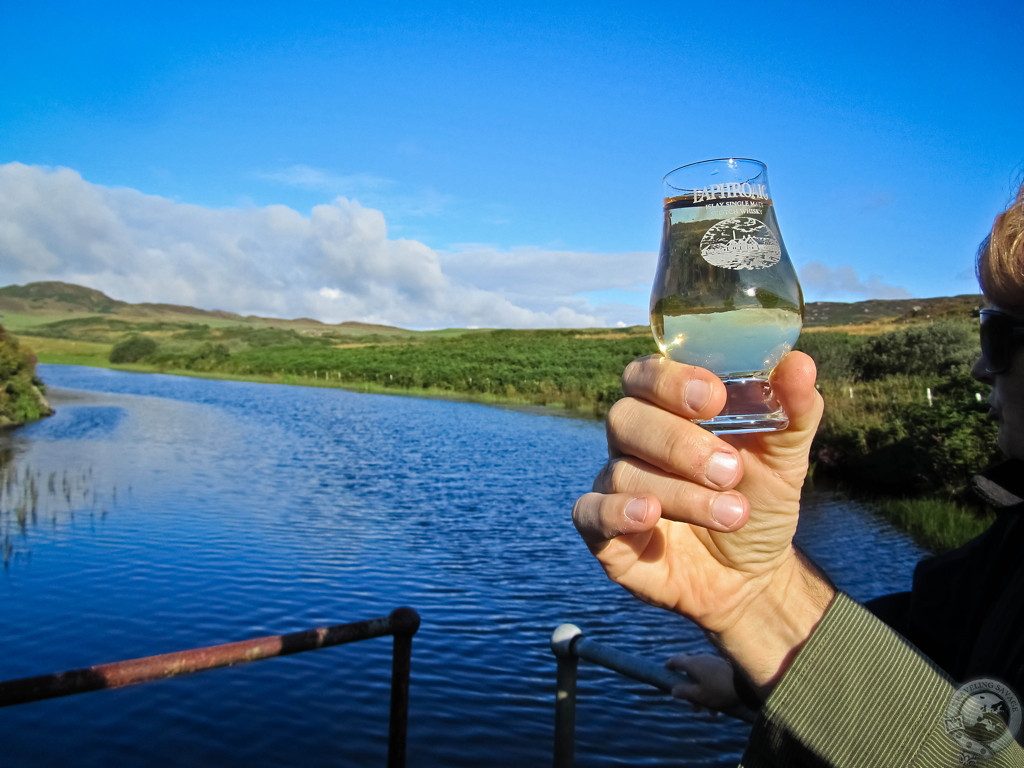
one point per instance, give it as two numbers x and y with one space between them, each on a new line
881 436
936 524
132 349
21 393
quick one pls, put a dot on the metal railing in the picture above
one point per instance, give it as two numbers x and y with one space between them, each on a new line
569 646
402 623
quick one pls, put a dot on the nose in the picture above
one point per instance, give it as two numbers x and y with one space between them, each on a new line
980 372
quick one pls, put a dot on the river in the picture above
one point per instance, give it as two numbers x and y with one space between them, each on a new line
154 513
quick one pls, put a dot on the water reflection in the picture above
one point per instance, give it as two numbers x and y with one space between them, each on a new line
31 496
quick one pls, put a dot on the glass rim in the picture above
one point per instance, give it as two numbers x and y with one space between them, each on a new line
763 166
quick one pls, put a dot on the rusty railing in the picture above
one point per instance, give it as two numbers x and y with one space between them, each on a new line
569 646
402 623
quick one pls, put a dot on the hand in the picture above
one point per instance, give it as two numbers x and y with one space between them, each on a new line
695 523
710 684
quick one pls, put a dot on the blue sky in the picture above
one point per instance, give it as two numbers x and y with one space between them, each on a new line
510 156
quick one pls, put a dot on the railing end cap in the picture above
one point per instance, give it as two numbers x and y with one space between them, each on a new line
405 620
563 638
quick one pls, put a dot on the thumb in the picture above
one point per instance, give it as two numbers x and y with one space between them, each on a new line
784 455
793 385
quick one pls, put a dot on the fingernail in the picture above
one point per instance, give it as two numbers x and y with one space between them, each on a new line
636 510
697 393
727 510
722 468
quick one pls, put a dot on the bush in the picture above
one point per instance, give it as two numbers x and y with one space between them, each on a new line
905 447
21 392
834 352
133 349
937 349
208 357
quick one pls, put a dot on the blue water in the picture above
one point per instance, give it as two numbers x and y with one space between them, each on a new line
170 513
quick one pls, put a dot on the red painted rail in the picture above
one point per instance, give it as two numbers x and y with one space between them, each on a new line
402 623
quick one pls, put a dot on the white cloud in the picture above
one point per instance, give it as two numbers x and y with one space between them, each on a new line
337 263
842 283
529 270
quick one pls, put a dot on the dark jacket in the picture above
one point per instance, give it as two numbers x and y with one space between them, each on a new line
966 608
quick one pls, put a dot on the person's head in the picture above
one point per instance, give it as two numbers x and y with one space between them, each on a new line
1000 268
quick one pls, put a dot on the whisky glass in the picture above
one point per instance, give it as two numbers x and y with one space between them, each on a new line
726 296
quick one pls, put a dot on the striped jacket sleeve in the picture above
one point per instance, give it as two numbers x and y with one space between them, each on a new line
860 696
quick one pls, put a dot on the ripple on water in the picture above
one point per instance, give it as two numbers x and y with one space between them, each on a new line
244 509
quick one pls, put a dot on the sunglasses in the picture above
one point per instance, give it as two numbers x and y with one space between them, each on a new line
998 331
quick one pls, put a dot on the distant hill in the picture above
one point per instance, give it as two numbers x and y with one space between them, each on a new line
54 300
50 301
831 313
54 296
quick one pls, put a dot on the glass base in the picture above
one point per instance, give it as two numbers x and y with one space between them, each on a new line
751 407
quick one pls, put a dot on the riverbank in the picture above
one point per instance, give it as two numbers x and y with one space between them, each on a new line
937 523
548 399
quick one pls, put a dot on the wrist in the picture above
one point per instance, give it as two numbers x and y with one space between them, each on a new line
766 636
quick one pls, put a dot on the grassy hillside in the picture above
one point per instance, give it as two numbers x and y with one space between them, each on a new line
36 305
822 314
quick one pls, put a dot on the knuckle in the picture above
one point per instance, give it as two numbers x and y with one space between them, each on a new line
579 509
683 496
666 387
620 413
619 473
632 371
639 373
684 452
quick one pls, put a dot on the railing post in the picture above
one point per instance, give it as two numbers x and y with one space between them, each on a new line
404 623
563 642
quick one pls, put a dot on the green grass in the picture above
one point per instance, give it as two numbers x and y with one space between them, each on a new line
18 323
937 524
68 351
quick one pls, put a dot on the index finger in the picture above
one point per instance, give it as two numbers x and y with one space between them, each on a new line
685 390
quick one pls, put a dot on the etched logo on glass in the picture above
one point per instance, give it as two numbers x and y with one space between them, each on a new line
741 243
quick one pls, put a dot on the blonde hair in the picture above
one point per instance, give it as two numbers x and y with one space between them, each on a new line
1000 264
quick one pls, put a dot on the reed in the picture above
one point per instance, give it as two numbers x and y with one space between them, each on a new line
937 524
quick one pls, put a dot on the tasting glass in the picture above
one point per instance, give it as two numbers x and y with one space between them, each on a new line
726 296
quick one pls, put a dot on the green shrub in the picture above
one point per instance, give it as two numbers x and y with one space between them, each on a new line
208 357
834 352
21 392
902 445
936 349
133 349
